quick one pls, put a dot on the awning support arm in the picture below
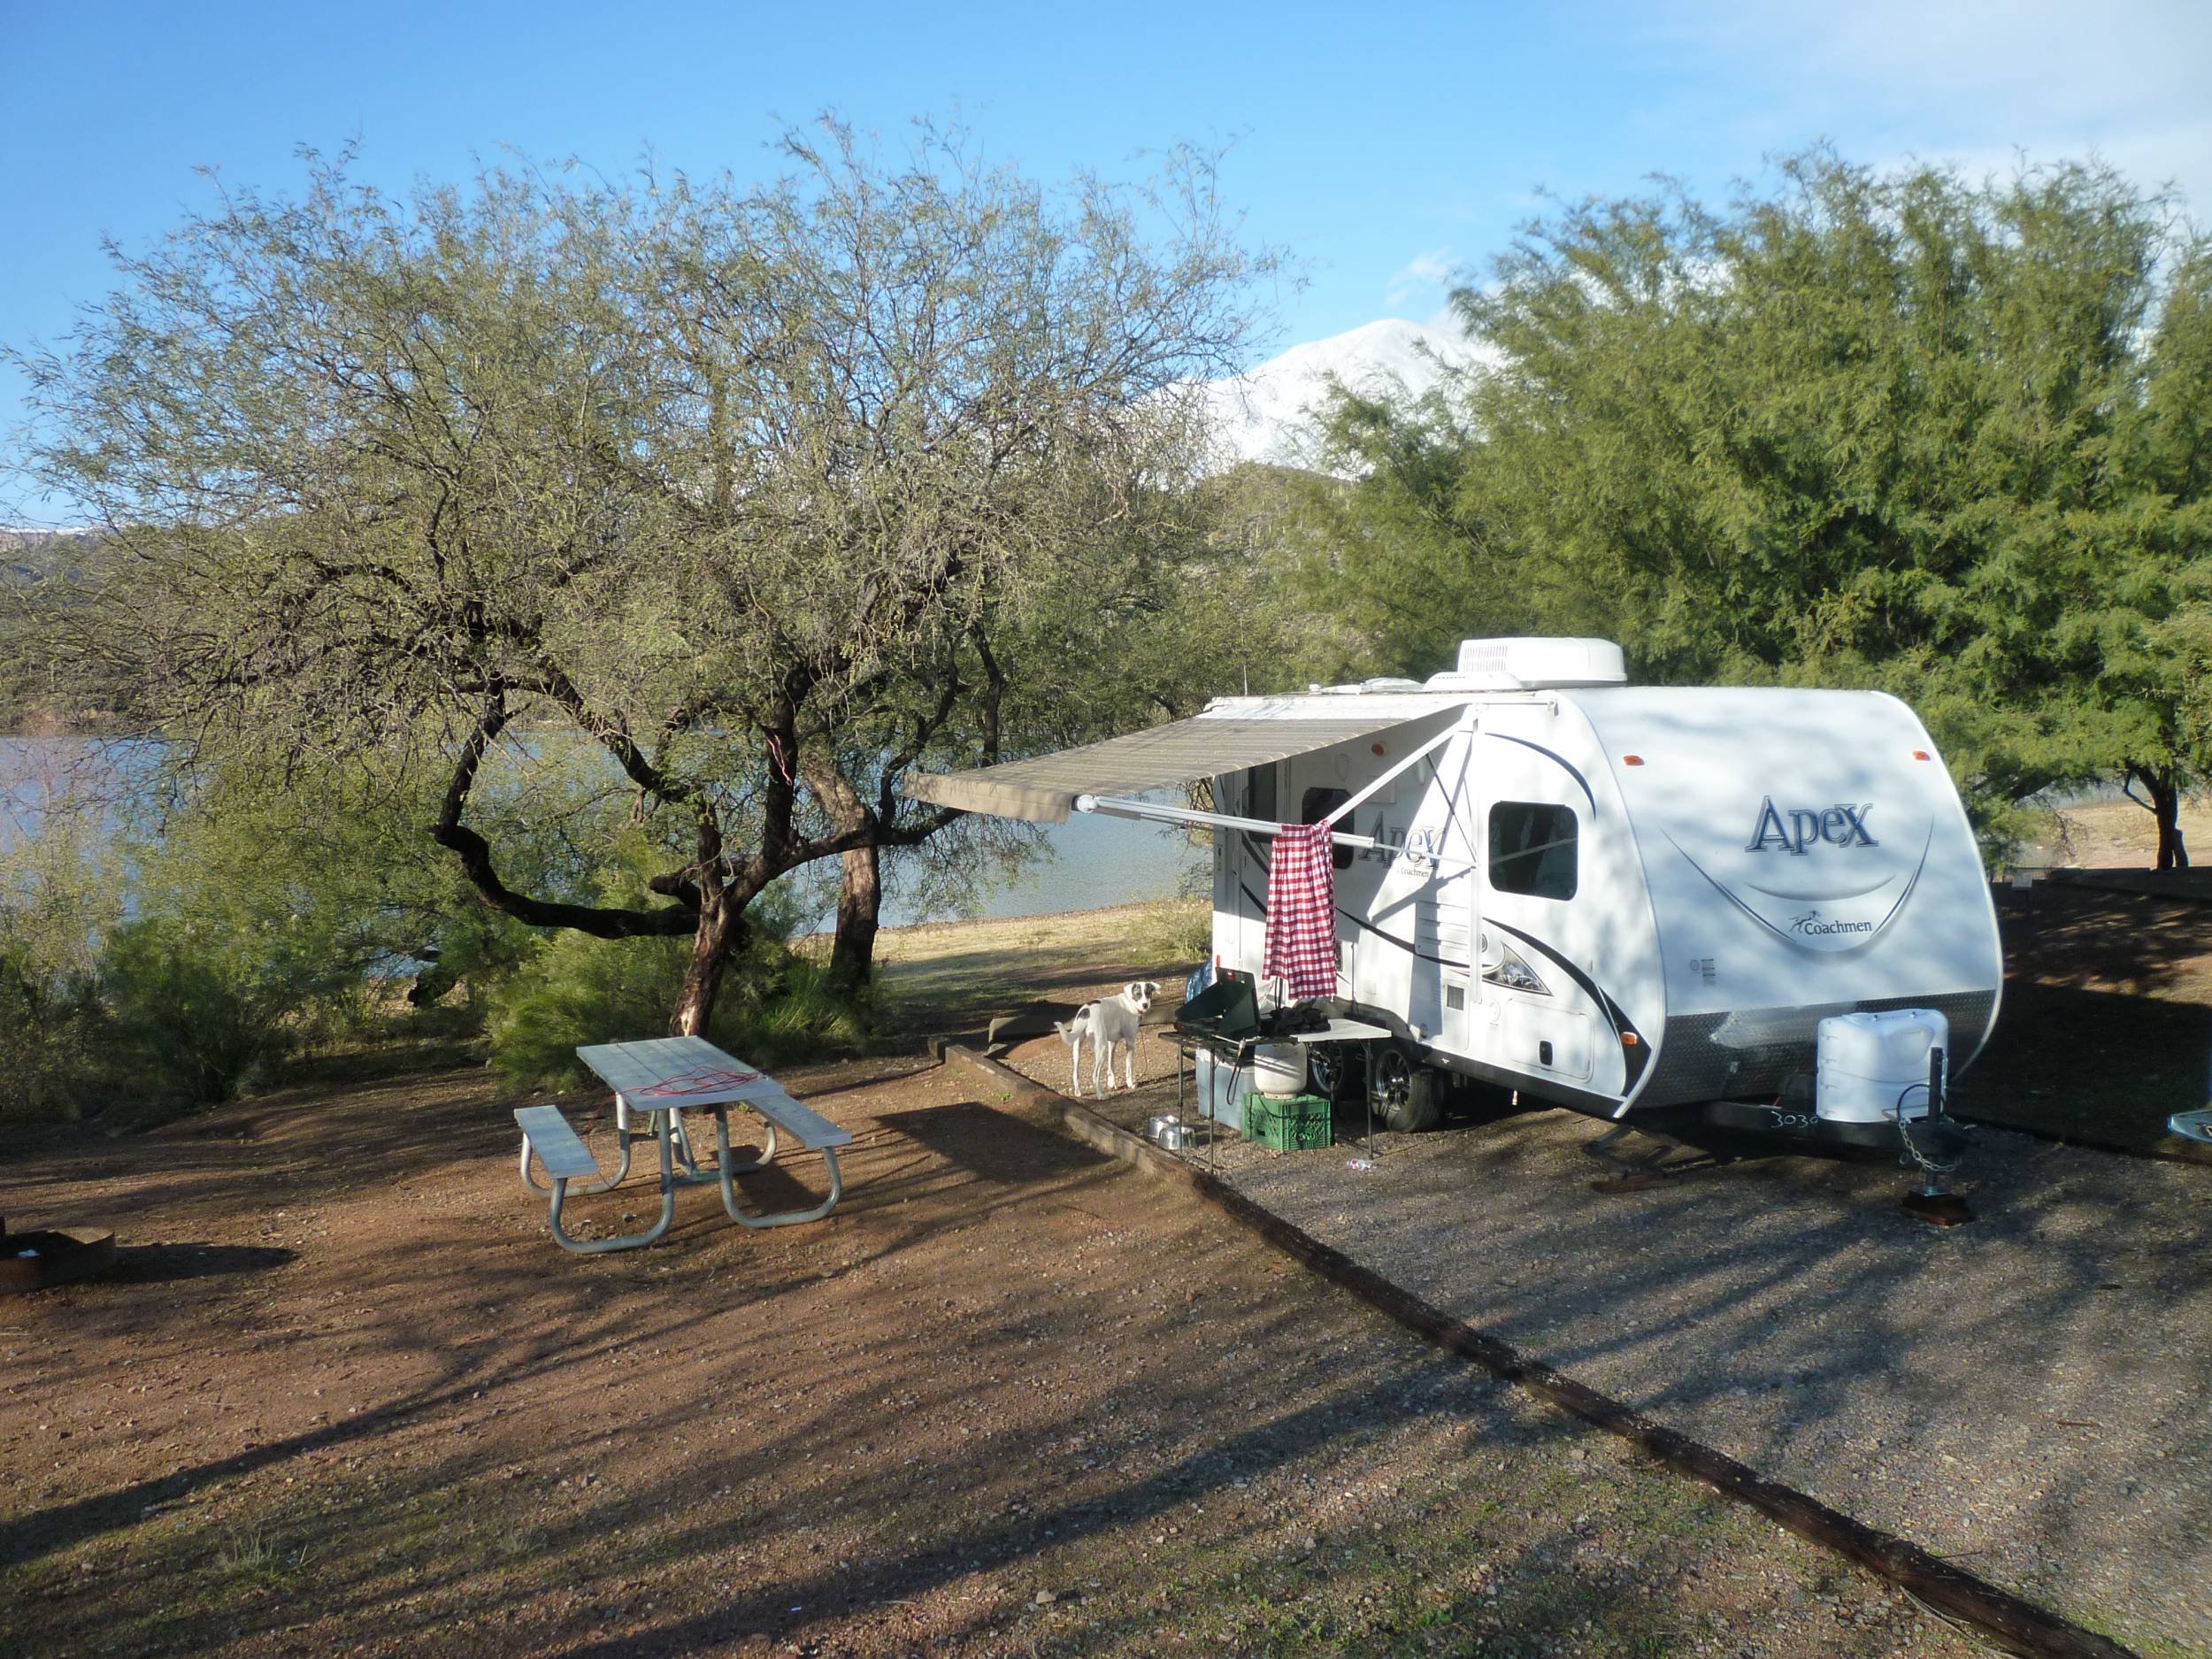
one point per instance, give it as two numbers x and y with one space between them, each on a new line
1116 806
1420 754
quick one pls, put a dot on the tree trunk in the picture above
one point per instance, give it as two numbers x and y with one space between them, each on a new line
859 903
2164 784
721 930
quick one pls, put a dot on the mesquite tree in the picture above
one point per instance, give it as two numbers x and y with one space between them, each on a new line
737 484
1902 429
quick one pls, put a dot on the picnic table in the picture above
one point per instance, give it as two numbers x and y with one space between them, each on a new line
658 1078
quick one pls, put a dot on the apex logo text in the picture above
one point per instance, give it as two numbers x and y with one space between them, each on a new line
1842 824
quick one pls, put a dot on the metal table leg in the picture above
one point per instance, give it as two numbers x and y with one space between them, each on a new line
1367 1066
786 1219
767 1153
621 1172
629 1241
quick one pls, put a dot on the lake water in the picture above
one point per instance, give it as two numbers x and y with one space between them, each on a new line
1083 865
1088 862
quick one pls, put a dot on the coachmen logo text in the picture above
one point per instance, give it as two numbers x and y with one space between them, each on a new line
1842 824
1813 922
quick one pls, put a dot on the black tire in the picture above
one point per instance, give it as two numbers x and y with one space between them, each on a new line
1406 1095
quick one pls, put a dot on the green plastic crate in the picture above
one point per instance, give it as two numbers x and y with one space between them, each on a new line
1289 1123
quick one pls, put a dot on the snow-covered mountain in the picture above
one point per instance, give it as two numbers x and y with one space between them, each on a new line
1265 415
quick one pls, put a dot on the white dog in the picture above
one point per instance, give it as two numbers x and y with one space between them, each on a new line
1108 1021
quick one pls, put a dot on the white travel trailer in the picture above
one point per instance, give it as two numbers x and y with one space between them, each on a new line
1658 905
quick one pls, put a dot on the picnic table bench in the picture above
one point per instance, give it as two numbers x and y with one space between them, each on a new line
659 1079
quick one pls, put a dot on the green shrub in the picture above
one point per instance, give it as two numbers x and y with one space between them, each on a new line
52 1040
577 989
60 899
793 1010
1180 932
206 1007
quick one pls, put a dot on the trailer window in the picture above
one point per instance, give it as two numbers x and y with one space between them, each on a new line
1317 804
1259 793
1532 849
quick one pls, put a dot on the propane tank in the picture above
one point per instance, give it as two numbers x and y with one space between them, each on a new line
1869 1067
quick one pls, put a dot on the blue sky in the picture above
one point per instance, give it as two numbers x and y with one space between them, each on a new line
1387 148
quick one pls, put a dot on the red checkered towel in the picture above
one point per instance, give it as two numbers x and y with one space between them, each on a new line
1301 912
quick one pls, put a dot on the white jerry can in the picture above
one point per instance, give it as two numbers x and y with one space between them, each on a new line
1868 1066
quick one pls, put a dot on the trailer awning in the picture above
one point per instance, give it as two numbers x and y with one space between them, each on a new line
1043 790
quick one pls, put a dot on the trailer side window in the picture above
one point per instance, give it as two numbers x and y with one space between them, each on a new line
1317 804
1259 798
1532 849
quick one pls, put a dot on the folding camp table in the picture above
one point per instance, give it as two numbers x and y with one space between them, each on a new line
1237 1051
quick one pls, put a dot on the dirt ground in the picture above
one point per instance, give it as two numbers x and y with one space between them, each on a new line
343 1395
2106 1026
2117 835
952 976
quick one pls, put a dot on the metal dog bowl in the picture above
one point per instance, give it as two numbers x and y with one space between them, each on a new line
1170 1133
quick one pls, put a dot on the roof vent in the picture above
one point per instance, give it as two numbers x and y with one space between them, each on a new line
1532 665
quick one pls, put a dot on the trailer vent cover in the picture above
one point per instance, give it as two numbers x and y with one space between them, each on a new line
1532 665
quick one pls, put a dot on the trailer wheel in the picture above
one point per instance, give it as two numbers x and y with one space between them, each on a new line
1332 1070
1405 1091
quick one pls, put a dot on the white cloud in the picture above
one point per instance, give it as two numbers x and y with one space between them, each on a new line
2057 57
1970 82
1444 322
1435 269
2150 158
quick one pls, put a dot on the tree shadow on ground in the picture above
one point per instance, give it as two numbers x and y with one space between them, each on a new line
166 1262
975 1139
959 993
2096 940
2099 1067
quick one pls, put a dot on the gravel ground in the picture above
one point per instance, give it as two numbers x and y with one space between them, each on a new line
2026 1395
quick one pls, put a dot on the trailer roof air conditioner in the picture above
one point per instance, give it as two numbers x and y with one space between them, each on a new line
1532 665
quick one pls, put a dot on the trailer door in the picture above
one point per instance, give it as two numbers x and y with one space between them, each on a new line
1443 951
1536 1017
1440 853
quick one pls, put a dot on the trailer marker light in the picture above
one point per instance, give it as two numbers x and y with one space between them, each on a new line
1628 1039
1632 760
1379 749
1920 754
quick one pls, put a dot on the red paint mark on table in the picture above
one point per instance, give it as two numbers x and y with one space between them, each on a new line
703 1081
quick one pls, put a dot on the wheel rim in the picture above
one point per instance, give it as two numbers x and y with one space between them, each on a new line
1394 1082
1326 1071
